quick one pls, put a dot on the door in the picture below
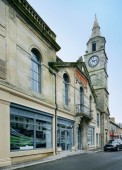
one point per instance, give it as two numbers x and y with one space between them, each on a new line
66 139
63 139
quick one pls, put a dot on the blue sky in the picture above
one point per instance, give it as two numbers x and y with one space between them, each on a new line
72 22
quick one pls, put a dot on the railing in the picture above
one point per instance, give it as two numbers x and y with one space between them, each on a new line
83 109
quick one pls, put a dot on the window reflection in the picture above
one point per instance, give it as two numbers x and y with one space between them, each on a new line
65 136
27 133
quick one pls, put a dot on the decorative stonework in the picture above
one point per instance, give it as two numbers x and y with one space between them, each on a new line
12 14
2 69
81 78
34 14
23 7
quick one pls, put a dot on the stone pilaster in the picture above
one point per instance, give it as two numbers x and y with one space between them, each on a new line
4 134
84 125
77 122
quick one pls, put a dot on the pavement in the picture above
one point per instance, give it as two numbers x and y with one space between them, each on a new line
48 159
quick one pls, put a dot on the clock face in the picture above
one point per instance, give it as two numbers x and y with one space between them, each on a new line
93 61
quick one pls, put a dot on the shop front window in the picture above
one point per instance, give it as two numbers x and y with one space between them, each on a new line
43 134
22 133
65 135
30 133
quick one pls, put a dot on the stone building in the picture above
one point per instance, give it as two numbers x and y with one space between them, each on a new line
46 105
115 130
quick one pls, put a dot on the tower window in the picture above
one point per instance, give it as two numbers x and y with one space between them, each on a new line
93 46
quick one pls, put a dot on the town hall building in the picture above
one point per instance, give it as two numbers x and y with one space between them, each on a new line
48 106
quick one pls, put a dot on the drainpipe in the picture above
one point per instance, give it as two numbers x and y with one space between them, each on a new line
56 108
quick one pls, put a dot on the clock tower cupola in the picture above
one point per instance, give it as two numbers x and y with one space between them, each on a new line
96 58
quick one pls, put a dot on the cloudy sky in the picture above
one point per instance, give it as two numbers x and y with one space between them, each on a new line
72 22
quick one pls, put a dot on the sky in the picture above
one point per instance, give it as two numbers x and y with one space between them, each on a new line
72 22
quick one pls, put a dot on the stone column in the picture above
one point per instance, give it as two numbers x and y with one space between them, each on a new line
84 125
4 133
77 122
102 130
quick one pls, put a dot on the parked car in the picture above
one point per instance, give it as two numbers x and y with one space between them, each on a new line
113 145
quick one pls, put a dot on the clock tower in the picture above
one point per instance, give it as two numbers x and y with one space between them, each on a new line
96 62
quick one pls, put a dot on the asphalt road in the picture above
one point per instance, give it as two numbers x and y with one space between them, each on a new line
86 161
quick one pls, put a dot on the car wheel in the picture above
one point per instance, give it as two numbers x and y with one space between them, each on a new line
105 150
118 148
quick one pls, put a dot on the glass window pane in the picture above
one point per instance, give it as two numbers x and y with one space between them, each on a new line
91 135
27 133
43 134
35 71
21 136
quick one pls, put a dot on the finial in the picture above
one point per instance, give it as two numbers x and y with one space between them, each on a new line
96 28
95 22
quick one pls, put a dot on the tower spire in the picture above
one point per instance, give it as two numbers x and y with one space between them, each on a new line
96 28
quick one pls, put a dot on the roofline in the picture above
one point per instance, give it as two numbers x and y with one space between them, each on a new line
55 66
114 123
23 7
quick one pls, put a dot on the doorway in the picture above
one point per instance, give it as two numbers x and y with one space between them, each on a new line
65 138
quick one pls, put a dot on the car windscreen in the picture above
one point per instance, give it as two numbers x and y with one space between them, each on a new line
114 142
110 141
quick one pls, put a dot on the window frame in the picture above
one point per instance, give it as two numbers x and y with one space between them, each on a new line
65 89
90 105
98 120
35 116
81 99
35 70
93 46
91 135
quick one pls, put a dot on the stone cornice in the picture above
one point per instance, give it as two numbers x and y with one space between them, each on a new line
24 7
99 70
94 53
16 92
96 37
101 88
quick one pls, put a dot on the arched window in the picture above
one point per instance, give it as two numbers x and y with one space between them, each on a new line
35 70
81 99
66 88
90 105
